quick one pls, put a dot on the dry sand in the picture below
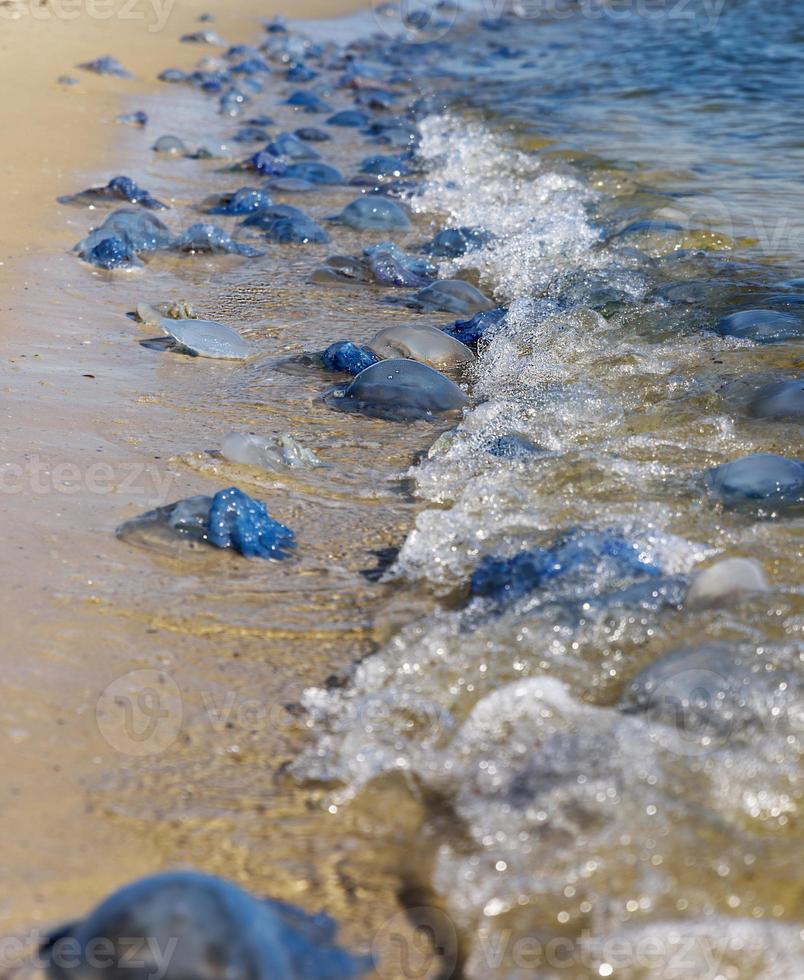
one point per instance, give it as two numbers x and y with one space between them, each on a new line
72 401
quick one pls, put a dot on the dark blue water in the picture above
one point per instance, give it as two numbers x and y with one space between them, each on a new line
712 90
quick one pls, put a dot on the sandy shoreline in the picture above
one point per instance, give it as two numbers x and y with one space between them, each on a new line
86 428
60 132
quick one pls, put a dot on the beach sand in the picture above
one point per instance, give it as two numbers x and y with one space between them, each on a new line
88 432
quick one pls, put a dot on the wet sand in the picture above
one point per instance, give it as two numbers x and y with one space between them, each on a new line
97 430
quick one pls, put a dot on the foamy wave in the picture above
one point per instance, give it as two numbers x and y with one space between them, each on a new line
539 217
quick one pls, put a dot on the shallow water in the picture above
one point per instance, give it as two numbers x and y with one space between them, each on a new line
475 762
